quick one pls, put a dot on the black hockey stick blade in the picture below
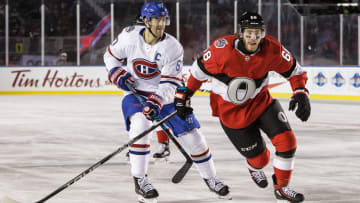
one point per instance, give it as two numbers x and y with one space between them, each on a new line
182 172
105 159
184 169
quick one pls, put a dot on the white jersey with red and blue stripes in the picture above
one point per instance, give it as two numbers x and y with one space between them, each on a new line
155 68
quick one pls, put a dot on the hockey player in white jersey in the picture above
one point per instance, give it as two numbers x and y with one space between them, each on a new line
154 61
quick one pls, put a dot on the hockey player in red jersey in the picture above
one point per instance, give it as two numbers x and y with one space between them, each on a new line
239 66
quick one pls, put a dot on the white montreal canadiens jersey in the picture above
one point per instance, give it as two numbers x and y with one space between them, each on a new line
155 68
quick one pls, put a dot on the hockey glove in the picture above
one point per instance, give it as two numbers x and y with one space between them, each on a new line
182 102
121 78
152 106
300 99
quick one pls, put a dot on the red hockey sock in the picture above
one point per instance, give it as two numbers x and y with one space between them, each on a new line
282 177
162 137
261 160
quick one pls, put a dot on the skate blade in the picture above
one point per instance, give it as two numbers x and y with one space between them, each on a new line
226 197
141 199
282 201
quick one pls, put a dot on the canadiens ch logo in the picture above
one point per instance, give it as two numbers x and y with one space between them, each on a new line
145 69
320 79
338 80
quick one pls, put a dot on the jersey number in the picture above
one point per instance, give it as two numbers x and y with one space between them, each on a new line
178 65
115 41
286 55
207 55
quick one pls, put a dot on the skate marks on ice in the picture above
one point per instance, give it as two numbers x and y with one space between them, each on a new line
7 199
47 140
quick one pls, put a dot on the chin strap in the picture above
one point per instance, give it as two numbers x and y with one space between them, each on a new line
148 28
152 33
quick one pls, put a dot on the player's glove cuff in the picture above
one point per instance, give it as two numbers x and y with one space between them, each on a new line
301 90
182 102
152 106
121 78
300 101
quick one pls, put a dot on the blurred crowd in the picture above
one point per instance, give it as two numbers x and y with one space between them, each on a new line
321 46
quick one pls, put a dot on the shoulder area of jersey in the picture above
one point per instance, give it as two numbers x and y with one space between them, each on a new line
130 33
132 28
171 41
270 41
225 41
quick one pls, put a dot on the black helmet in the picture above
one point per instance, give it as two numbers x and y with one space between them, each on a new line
251 20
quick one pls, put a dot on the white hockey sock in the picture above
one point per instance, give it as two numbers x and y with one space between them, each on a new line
139 152
206 169
139 164
195 145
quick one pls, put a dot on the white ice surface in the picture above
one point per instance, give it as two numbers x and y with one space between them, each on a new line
46 140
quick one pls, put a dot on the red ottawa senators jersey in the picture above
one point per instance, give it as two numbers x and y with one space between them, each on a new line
223 61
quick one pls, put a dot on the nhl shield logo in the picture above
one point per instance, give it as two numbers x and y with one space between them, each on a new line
145 69
221 43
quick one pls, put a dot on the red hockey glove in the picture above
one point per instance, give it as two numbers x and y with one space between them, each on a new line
121 78
152 106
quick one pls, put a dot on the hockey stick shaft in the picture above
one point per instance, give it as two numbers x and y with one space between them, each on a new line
185 168
105 159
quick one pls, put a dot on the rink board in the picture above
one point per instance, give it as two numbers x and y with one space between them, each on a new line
323 82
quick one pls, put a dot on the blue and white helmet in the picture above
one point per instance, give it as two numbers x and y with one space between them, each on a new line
155 9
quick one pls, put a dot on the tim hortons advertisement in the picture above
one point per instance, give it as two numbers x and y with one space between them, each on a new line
338 81
54 79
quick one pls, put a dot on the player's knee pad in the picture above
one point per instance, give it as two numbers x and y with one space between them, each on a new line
138 124
285 144
193 141
259 161
247 141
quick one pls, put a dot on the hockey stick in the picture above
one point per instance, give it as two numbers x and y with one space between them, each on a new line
105 159
185 168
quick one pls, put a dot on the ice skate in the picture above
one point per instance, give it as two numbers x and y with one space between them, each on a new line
217 186
163 152
286 193
259 178
145 190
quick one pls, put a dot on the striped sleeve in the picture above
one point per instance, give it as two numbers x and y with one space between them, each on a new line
115 55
